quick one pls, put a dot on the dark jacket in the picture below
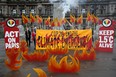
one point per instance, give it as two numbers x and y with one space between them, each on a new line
28 34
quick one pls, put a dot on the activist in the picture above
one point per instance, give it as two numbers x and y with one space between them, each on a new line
28 36
34 37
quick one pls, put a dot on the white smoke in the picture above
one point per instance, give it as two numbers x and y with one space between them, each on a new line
66 5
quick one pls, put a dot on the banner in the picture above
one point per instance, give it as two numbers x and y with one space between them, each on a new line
11 34
61 38
106 36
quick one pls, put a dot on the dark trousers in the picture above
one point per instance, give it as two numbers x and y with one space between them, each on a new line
28 42
34 42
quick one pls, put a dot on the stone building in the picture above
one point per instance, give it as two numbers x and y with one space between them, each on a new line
14 8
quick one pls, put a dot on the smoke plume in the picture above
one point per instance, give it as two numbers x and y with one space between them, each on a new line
66 5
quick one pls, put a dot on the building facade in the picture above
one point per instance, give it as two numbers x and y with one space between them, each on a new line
14 8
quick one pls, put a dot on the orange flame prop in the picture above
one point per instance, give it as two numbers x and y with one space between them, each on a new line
63 66
25 19
36 56
96 45
80 19
72 18
29 75
23 46
85 55
12 61
32 18
58 50
39 71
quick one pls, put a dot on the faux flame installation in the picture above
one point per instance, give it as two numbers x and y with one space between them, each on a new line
12 60
63 66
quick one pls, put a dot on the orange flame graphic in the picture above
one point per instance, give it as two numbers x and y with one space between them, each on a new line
96 45
63 66
39 71
36 56
58 50
12 61
85 55
23 46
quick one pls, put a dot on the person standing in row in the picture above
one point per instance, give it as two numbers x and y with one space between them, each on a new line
34 37
28 36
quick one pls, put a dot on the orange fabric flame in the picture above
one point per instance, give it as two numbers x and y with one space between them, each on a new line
63 20
25 19
85 55
39 19
23 46
96 45
80 19
58 51
36 56
47 21
12 61
88 17
32 18
72 19
63 66
39 72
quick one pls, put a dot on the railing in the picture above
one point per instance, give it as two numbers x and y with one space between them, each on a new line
28 1
19 15
46 15
47 1
21 2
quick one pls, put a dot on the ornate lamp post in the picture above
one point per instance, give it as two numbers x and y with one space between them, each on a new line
23 11
14 12
32 11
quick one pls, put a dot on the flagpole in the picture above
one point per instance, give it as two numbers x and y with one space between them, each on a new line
89 24
70 24
44 27
94 33
26 25
79 26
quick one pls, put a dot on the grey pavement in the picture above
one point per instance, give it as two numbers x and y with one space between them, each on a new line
103 66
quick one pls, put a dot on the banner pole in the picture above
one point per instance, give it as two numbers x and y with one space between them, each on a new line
79 26
94 33
88 24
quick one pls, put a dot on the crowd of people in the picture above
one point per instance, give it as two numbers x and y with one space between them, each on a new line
30 36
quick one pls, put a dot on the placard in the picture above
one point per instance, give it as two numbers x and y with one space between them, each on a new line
106 36
11 34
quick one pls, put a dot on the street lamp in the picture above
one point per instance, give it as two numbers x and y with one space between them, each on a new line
83 11
14 12
23 11
32 11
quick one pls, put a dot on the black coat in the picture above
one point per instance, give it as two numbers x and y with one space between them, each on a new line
28 34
